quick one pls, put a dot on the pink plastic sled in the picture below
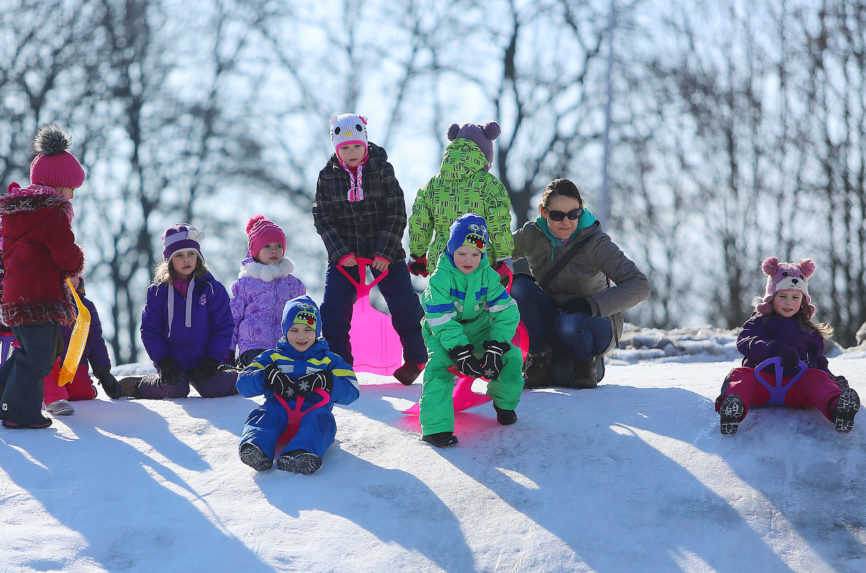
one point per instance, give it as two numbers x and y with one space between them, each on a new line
463 397
376 347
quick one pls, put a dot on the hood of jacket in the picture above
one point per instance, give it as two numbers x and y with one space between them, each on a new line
462 159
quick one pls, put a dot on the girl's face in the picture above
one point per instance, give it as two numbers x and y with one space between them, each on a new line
184 262
566 208
787 302
352 154
301 336
270 254
67 192
467 258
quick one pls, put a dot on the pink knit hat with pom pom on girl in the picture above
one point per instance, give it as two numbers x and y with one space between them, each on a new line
786 276
261 231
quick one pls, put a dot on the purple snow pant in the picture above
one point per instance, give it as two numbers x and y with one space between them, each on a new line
220 384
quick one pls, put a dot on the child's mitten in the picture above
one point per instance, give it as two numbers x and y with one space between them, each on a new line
418 265
280 383
466 361
491 362
170 371
323 379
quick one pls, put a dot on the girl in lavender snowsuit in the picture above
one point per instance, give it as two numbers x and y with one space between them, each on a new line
264 285
782 328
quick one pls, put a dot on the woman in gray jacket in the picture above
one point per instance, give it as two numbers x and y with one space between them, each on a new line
573 313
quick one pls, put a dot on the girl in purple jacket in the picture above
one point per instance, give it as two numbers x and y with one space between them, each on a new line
782 331
186 325
264 285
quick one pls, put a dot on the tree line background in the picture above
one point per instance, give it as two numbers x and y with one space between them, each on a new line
737 128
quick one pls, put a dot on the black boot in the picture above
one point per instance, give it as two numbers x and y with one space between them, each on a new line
845 410
299 462
408 372
505 417
128 387
253 456
537 370
441 439
731 413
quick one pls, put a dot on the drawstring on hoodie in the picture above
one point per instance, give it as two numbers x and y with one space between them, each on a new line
188 317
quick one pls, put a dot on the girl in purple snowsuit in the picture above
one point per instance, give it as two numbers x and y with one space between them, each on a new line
782 329
186 325
264 285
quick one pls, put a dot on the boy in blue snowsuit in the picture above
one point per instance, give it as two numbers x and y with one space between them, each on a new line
300 371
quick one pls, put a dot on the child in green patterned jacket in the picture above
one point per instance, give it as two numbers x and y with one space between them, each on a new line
463 185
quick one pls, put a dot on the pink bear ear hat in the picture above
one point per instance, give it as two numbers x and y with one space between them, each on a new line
786 276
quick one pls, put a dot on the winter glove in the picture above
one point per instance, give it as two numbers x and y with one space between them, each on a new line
466 363
790 357
505 270
280 383
577 304
170 372
418 265
323 379
109 383
205 369
491 362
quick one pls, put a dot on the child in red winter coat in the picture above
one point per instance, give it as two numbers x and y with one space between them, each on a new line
39 253
783 335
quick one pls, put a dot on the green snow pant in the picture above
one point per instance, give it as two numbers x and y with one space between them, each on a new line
437 410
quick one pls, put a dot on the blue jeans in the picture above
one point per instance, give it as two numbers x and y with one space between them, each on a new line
396 288
550 328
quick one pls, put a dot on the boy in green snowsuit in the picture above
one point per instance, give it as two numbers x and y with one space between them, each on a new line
466 308
464 184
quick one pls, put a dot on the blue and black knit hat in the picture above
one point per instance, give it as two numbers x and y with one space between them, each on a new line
301 310
469 229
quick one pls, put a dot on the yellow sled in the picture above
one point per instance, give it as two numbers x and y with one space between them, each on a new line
76 341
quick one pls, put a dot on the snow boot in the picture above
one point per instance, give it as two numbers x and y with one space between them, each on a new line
43 422
60 408
441 439
299 462
129 386
845 410
408 372
731 413
253 456
537 370
505 417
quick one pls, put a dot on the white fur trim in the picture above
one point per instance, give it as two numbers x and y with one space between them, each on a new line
267 273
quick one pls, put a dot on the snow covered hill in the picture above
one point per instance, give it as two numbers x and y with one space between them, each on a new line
633 476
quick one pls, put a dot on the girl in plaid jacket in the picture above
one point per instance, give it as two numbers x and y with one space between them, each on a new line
360 212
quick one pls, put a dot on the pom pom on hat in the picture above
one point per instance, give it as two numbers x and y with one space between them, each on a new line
53 165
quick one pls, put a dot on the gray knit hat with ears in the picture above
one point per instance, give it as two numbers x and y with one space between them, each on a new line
482 136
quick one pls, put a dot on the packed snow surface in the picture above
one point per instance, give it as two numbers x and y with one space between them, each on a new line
632 476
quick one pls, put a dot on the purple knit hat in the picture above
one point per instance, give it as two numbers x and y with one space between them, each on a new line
786 276
53 166
183 237
482 136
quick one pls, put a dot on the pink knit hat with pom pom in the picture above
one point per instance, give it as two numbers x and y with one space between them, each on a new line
786 276
261 231
482 136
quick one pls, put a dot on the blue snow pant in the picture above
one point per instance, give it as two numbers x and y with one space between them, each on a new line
549 328
266 423
22 375
403 303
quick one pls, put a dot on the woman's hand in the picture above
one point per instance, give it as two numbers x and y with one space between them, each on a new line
381 264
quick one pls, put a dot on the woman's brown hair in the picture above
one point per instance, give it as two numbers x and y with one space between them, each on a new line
562 187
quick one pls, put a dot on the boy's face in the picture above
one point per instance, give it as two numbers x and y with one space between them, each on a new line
787 302
270 254
351 154
67 192
301 336
184 262
467 258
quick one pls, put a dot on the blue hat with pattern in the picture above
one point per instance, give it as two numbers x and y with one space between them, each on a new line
301 310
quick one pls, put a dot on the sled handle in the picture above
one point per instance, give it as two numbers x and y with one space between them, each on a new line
776 361
363 263
295 414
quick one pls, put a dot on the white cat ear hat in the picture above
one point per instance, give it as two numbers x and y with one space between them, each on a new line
348 129
786 276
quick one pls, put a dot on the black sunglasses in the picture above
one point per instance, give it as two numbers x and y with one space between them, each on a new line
560 215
